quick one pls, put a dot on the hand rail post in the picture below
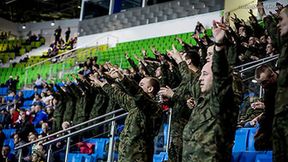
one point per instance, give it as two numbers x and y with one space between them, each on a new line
111 142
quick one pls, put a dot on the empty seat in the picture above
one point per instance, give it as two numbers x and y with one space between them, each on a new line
241 138
264 157
251 140
100 144
8 132
160 157
75 157
28 93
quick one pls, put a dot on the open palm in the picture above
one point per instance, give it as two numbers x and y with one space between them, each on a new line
219 32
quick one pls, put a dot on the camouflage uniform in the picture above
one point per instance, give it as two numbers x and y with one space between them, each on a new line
181 112
280 122
99 107
59 110
263 137
70 105
141 125
80 114
209 133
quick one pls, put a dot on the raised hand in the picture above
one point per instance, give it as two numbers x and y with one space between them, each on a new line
137 58
179 40
154 51
195 36
261 9
126 55
258 105
219 31
175 54
116 74
144 53
94 80
166 91
250 12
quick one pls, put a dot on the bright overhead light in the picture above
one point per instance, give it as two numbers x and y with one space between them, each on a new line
254 81
79 6
23 26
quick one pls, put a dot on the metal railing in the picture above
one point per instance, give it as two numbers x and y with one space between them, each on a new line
72 131
68 129
255 62
69 134
256 65
104 40
252 66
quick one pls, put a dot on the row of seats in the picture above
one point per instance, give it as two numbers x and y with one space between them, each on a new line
3 91
11 45
244 140
147 15
104 54
244 150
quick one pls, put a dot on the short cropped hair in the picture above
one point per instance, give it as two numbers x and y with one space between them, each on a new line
194 56
262 69
155 84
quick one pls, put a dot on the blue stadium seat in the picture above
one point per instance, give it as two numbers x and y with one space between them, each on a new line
60 84
251 140
89 158
245 156
160 157
8 132
28 93
27 104
3 91
10 143
264 157
38 130
100 144
8 98
241 138
75 157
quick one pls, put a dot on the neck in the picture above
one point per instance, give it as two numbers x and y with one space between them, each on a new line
193 68
151 95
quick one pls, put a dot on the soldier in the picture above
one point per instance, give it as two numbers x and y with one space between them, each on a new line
144 116
208 133
279 39
59 108
267 78
188 67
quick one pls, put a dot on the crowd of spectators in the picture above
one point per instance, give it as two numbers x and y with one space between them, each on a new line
60 43
98 89
4 35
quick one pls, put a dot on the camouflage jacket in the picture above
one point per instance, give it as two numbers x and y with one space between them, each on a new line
188 88
281 104
141 125
207 135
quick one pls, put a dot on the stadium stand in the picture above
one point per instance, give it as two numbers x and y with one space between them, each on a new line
65 80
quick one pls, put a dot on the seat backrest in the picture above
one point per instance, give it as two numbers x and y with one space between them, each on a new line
251 140
241 137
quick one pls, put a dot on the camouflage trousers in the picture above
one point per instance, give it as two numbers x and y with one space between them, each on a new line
280 137
176 146
135 151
